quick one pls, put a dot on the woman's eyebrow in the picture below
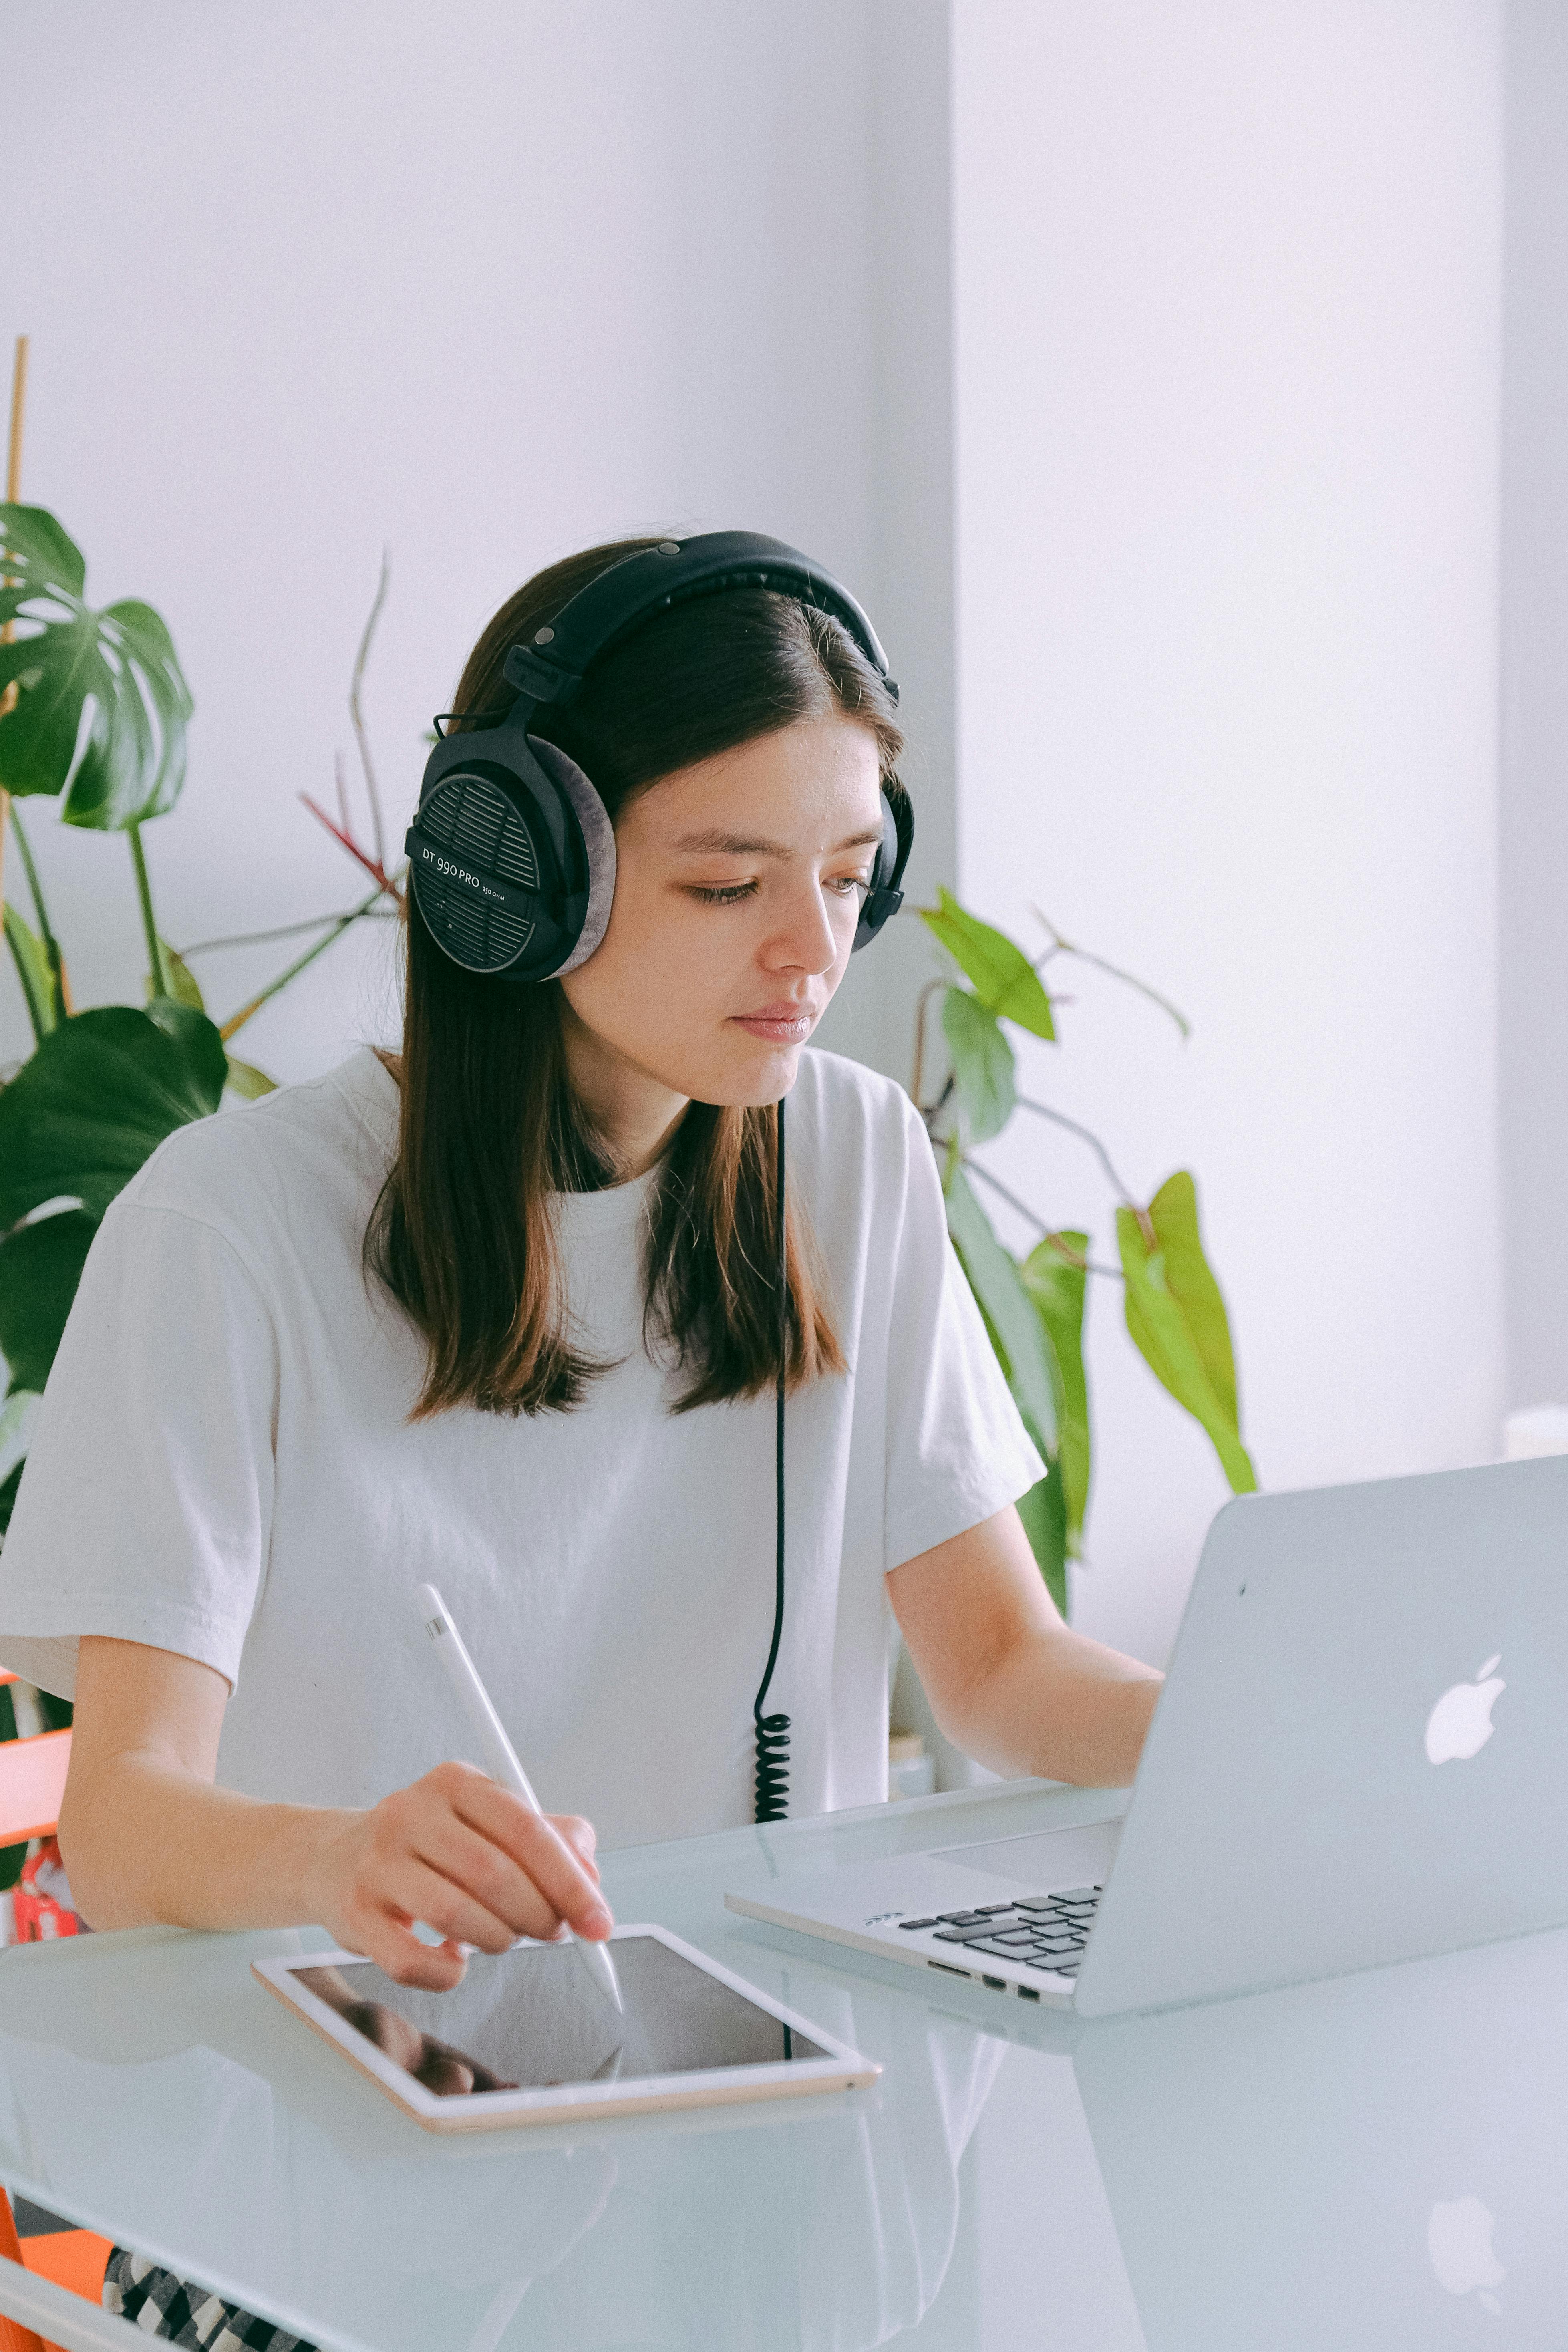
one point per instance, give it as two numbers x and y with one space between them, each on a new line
744 844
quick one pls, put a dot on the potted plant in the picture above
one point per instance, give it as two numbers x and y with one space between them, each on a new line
93 714
1034 1305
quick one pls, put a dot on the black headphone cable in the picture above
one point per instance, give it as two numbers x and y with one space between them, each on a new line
772 1730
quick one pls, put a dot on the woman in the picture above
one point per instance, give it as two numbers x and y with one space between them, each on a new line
500 1312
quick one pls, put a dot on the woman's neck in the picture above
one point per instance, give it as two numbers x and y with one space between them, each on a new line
632 1114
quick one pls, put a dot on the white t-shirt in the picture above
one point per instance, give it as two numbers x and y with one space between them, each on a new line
224 1465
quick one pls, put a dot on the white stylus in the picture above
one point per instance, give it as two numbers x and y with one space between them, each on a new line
499 1755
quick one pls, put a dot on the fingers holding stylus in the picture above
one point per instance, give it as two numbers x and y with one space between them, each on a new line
555 1855
469 1859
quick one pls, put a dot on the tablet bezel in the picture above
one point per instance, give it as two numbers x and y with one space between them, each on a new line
841 2069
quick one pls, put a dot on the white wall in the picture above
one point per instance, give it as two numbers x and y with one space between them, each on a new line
1533 1006
1223 336
484 283
1227 362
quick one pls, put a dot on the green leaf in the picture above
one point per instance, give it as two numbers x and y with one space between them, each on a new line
982 1065
101 703
1176 1318
40 1265
34 970
12 1857
248 1080
1004 980
1009 1312
8 1496
183 983
99 1095
1044 1514
17 1415
1059 1289
1175 1214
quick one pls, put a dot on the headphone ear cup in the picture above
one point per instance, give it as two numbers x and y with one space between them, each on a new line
884 898
511 858
475 831
599 843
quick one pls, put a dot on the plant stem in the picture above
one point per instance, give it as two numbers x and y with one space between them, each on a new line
357 715
13 498
917 1076
156 965
1064 947
38 1012
237 1021
64 1008
282 932
1088 1265
1060 1118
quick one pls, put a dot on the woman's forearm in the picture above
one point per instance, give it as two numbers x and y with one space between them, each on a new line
147 1844
1059 1706
148 1839
1010 1683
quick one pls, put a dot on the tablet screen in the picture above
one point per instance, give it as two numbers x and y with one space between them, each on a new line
533 2019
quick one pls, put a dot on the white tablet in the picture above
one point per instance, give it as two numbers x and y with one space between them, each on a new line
527 2037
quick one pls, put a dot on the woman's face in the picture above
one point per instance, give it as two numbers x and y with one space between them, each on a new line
739 883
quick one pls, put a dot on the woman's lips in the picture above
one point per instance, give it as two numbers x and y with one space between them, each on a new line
781 1025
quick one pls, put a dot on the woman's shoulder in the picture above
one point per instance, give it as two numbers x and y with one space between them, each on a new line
848 1127
327 1142
830 1089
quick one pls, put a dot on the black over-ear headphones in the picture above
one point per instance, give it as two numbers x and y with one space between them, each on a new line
512 861
511 856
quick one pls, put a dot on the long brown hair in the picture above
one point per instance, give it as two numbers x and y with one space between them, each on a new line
463 1235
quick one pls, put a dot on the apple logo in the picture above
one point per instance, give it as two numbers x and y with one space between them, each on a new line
1459 2245
1460 1725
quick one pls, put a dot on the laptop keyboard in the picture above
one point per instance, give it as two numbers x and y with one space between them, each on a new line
1042 1931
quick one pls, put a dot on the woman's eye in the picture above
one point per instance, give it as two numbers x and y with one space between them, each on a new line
844 883
724 893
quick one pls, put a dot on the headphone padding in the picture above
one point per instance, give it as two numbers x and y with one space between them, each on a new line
599 839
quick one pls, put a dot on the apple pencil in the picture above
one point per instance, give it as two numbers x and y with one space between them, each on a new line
499 1754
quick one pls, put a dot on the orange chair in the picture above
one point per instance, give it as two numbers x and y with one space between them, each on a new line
32 1782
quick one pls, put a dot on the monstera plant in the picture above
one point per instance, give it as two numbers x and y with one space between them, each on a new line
1034 1305
93 715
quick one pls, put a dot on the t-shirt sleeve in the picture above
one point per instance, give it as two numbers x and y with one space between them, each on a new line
145 1509
957 1448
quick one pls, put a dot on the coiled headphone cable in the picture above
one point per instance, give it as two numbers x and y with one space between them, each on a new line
772 1730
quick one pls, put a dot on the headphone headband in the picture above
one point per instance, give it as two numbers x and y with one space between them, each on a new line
513 856
551 667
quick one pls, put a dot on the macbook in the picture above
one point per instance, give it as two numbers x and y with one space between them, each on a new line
1360 1756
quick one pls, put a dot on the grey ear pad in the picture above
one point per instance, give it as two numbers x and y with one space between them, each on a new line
598 835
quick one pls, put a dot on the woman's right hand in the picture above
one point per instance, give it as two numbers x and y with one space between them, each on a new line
461 1853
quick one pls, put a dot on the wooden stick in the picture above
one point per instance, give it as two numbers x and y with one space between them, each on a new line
18 410
13 498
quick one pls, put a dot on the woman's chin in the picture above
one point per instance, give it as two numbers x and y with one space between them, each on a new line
761 1073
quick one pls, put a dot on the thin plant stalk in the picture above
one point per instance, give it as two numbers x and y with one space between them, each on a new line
283 932
1060 945
157 963
357 715
1053 1241
1060 1118
237 1021
45 929
13 497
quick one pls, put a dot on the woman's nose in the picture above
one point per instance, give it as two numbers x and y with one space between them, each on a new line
806 940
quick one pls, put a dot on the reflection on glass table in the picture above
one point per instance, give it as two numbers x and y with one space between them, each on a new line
1383 2160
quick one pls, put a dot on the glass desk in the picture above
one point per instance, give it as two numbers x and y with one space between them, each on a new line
1381 2160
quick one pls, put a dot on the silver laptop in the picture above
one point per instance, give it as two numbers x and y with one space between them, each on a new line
1360 1756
